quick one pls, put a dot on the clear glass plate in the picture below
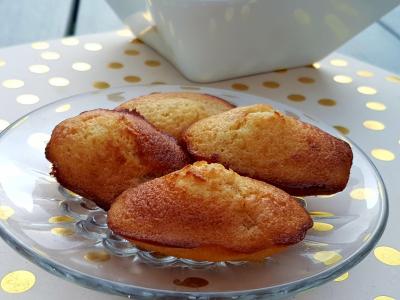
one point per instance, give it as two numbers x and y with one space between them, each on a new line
67 235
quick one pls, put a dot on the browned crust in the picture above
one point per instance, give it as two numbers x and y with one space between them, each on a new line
157 151
185 95
339 158
160 213
153 145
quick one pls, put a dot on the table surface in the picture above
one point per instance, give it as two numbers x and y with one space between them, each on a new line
379 44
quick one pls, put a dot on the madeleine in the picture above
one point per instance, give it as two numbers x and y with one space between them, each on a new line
206 212
262 143
100 153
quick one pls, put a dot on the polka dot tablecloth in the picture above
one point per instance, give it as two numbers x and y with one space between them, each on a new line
359 100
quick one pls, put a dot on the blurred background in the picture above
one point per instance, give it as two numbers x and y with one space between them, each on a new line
26 21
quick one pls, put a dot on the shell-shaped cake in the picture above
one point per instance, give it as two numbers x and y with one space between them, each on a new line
262 143
207 212
173 112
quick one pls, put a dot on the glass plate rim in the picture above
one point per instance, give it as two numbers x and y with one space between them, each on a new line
122 289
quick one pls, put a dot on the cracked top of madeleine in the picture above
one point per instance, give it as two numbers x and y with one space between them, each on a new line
207 206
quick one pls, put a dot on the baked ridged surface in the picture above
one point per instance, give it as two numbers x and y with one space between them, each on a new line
174 112
100 153
262 143
205 206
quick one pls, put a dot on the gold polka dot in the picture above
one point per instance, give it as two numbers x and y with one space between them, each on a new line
131 52
58 81
374 125
61 219
384 298
18 282
71 193
38 140
378 106
115 65
50 55
320 226
2 63
326 102
366 237
61 231
3 124
387 255
316 65
280 71
6 212
342 129
366 90
327 257
296 97
342 277
338 62
342 79
323 214
132 79
93 46
13 83
271 84
362 194
40 45
192 88
124 32
27 99
63 108
158 82
383 154
116 96
137 41
101 85
326 196
393 78
306 80
97 256
70 41
152 63
240 86
365 73
81 66
39 69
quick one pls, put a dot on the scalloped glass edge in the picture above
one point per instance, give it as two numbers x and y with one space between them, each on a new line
274 292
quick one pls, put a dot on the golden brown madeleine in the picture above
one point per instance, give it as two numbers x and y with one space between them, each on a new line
100 153
206 212
262 143
174 112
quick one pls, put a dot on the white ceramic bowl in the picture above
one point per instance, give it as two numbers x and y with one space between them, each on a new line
209 40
